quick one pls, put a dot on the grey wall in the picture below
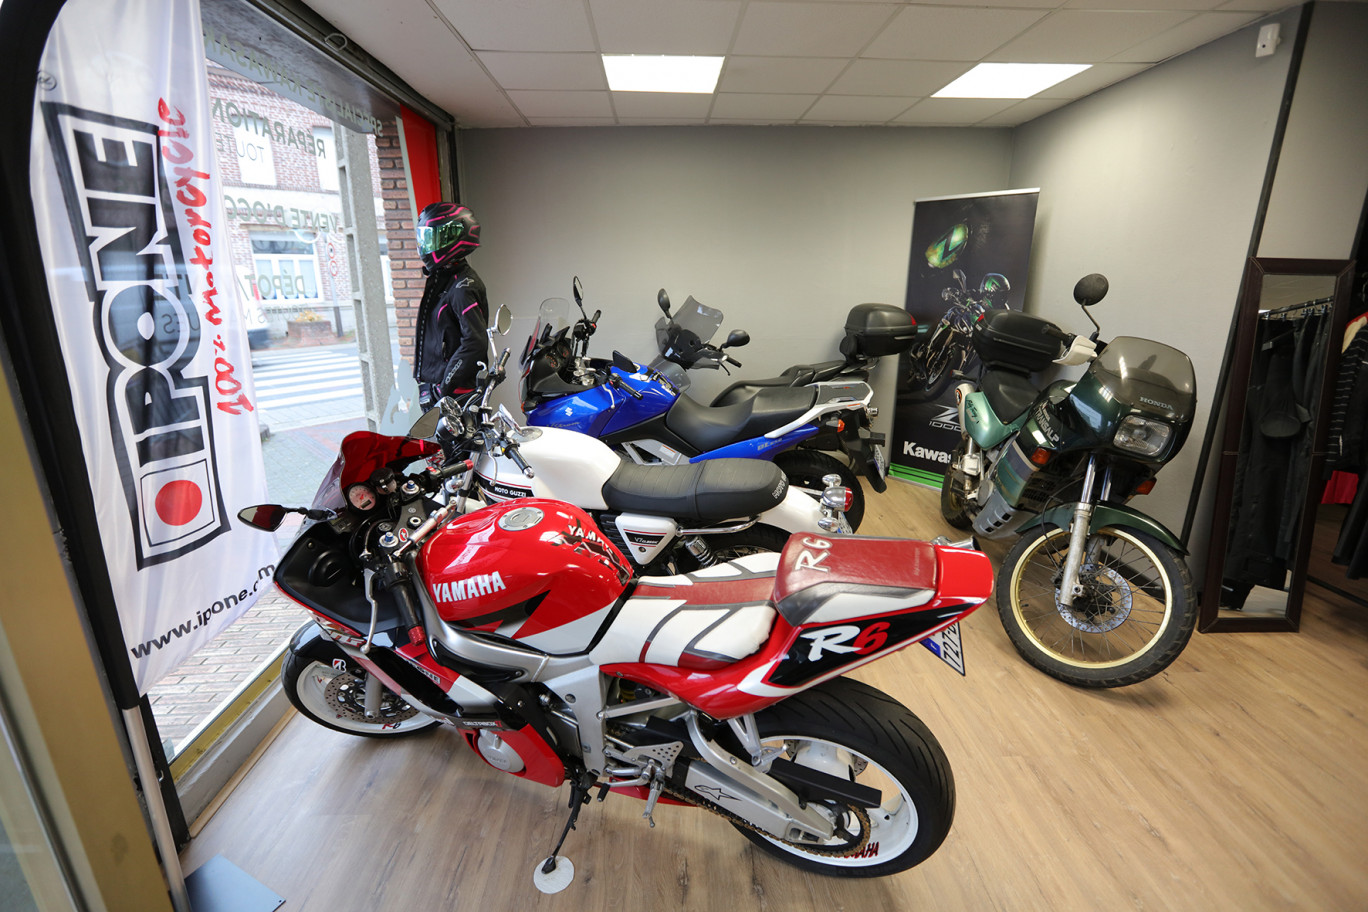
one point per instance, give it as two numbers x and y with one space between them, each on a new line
1322 174
783 229
1155 183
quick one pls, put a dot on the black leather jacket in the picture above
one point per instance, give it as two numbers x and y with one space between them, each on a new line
451 337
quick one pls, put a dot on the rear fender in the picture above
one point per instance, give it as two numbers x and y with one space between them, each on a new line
797 513
832 619
1105 516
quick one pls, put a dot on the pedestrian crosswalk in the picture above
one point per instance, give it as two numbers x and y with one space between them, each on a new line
299 377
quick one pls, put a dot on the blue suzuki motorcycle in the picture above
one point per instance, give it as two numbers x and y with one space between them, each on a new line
641 409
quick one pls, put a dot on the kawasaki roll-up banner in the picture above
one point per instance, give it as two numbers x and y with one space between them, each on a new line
129 212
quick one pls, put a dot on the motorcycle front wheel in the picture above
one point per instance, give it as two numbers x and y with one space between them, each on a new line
806 469
850 730
933 371
1135 615
335 698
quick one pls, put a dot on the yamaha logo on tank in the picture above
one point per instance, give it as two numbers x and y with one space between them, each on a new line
146 325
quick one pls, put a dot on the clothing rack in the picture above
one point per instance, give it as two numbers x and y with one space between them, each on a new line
1297 311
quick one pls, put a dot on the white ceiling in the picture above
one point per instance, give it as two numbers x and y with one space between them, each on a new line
517 63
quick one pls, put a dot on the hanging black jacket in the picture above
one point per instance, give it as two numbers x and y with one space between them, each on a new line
451 337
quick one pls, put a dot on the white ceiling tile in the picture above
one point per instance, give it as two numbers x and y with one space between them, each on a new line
1098 76
515 25
1257 6
1087 36
1195 32
809 29
779 74
1023 111
661 104
939 111
771 108
913 78
572 121
562 104
943 33
661 121
1191 5
699 27
545 71
433 61
856 109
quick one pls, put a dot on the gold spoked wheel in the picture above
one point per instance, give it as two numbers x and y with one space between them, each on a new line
1134 616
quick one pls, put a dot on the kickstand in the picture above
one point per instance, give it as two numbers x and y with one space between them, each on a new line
579 797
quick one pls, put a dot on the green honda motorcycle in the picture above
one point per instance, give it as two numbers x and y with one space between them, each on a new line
1094 592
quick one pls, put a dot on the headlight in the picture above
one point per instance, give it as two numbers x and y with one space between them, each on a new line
1142 436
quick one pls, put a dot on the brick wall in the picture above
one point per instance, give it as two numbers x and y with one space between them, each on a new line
405 266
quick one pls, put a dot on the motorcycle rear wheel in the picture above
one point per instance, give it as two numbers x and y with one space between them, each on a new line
1136 616
805 470
334 698
954 507
846 728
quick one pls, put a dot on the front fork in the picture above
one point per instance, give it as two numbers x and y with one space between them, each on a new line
1069 585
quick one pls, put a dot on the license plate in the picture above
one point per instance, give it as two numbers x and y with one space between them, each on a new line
946 645
880 461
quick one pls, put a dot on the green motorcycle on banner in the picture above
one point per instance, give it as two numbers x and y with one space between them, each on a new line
1094 593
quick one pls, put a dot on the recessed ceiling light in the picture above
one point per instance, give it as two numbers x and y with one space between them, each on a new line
1009 80
636 73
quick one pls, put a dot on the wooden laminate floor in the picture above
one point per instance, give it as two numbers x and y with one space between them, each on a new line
1235 780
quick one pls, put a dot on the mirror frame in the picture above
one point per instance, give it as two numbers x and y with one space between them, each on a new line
1247 318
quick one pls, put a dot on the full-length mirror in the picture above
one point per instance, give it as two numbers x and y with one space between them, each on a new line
1271 463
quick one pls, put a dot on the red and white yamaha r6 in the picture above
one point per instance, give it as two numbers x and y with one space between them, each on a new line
522 627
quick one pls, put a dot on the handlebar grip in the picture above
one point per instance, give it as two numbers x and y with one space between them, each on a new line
732 361
521 463
503 360
456 468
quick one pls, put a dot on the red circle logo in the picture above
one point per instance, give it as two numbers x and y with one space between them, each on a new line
178 502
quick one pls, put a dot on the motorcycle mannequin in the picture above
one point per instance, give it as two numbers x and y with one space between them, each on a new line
1094 593
526 630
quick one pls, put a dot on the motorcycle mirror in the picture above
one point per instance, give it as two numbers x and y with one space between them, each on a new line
664 301
503 319
1091 289
624 363
425 427
267 517
736 338
578 288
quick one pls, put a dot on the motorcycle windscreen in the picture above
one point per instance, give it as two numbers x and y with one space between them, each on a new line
359 456
1144 373
553 316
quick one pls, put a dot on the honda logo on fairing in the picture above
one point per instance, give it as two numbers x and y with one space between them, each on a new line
468 588
147 329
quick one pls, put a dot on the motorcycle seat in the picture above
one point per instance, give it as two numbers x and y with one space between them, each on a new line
1009 393
708 427
828 580
797 375
707 491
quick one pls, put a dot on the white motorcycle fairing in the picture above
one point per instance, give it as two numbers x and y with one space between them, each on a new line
573 467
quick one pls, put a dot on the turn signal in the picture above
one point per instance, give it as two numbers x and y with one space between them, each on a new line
1040 456
840 425
1145 486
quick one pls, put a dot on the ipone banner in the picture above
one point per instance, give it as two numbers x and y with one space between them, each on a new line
130 218
969 255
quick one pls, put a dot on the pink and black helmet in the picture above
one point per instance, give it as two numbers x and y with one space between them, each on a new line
447 233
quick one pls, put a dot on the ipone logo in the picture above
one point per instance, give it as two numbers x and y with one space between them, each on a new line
122 217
